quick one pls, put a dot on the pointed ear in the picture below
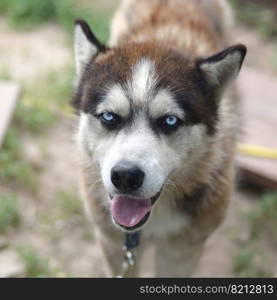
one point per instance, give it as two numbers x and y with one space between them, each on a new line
222 68
86 45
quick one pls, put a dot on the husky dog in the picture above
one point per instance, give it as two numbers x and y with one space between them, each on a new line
157 129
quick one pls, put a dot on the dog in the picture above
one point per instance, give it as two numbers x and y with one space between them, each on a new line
157 129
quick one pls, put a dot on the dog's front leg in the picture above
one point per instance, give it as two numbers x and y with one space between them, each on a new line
175 257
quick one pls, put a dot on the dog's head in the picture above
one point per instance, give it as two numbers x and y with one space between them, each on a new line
146 112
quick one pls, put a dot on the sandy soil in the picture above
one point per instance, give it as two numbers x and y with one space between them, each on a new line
27 54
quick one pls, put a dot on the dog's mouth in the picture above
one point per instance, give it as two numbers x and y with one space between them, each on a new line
130 212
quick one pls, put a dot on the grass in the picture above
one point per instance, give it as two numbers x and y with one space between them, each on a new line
248 263
9 215
44 100
13 168
243 260
70 203
254 256
33 118
25 14
34 264
40 106
263 219
256 16
58 85
66 214
71 208
5 73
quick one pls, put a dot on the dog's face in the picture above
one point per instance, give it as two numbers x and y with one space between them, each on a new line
145 114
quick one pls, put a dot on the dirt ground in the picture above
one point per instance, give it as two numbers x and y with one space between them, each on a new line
67 243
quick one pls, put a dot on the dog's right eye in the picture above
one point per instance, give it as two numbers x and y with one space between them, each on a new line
109 119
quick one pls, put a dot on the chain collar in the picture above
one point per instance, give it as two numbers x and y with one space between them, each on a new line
131 242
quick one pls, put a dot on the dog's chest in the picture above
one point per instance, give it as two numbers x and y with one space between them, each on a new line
165 220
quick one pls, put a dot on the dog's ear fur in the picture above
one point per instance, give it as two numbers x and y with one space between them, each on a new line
86 45
220 69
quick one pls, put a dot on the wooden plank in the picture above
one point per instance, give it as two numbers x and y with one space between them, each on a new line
259 106
9 92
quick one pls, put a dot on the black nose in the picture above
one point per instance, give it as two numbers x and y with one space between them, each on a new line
126 177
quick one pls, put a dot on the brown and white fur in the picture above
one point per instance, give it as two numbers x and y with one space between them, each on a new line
165 59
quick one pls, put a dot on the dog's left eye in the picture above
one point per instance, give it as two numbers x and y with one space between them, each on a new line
169 123
109 119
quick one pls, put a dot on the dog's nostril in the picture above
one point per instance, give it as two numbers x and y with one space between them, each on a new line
127 177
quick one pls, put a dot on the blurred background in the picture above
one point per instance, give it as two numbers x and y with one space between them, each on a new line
43 231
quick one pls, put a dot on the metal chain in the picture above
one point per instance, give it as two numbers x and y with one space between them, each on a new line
128 263
131 242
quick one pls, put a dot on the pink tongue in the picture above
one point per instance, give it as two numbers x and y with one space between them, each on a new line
129 211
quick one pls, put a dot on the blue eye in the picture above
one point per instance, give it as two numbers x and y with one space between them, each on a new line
171 121
108 117
110 120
